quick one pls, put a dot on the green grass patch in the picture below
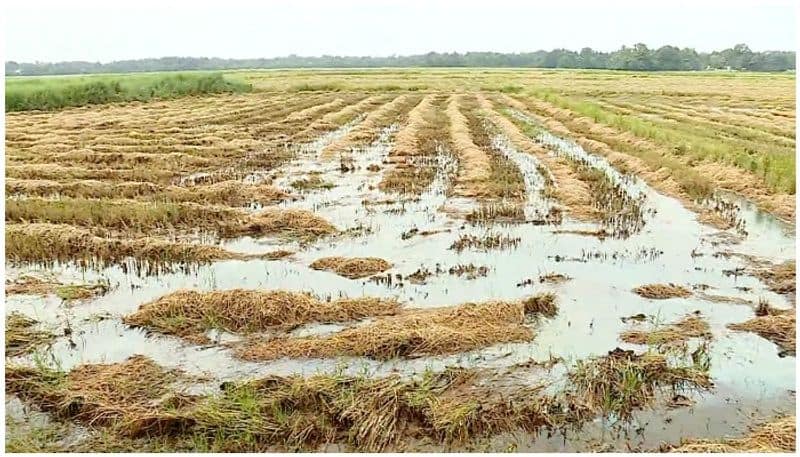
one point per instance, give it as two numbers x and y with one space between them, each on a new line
23 94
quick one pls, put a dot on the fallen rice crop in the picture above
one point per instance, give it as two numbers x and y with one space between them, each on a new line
780 278
48 243
662 291
34 285
132 399
693 326
486 242
148 218
352 267
474 165
185 187
415 333
563 183
60 172
777 435
190 314
232 193
469 271
505 179
620 213
30 284
776 325
116 214
450 407
624 381
369 129
22 337
497 212
418 147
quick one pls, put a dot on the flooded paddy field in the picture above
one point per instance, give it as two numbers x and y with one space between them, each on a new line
385 269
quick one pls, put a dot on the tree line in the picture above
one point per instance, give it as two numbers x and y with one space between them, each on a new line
635 58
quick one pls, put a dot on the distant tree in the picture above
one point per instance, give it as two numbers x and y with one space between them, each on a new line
637 58
668 58
12 67
741 56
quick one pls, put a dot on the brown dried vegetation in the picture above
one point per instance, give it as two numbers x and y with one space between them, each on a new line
455 406
232 193
775 436
776 325
670 335
47 243
780 278
418 145
352 267
662 291
415 333
190 313
21 337
136 397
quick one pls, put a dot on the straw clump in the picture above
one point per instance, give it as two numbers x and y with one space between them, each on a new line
780 278
689 327
776 325
190 313
136 396
776 436
541 304
415 333
352 267
662 291
294 223
311 183
31 285
22 337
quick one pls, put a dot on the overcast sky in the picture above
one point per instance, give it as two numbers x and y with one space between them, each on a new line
110 30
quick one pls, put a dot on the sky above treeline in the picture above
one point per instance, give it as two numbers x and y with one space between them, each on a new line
49 31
